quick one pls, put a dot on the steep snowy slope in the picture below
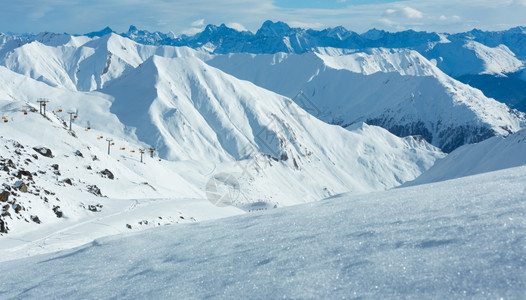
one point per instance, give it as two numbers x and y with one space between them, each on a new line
395 78
492 154
191 111
462 238
211 123
397 89
513 38
493 70
59 190
80 63
469 57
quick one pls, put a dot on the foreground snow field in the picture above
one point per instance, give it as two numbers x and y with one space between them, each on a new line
463 237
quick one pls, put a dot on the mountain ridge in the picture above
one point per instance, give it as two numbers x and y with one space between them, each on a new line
403 80
477 49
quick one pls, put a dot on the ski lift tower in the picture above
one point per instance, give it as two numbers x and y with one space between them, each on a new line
71 114
42 102
142 152
109 140
151 150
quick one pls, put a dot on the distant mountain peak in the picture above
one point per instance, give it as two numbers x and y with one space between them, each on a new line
270 28
374 34
100 33
518 29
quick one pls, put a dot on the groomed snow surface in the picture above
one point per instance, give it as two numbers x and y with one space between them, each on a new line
456 238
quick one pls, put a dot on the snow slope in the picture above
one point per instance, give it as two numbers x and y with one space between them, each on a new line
469 57
80 63
191 111
399 90
395 79
464 54
490 155
460 238
80 192
512 38
277 153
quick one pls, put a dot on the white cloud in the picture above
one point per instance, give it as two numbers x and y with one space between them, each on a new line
404 12
386 22
449 19
412 13
236 26
198 23
192 31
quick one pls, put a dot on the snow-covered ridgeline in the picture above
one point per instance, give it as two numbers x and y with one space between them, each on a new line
397 89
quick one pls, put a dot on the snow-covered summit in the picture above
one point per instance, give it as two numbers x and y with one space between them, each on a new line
106 30
146 37
395 76
397 89
470 57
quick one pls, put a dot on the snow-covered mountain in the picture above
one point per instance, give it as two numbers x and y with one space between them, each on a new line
489 61
500 54
143 130
146 37
65 63
494 70
461 57
397 89
445 112
512 38
210 123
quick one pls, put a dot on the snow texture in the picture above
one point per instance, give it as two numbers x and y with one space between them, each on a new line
461 238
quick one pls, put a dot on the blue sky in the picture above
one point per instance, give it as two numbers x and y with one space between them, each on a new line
190 16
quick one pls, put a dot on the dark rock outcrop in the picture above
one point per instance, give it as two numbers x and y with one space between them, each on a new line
35 219
94 190
43 151
107 173
4 196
